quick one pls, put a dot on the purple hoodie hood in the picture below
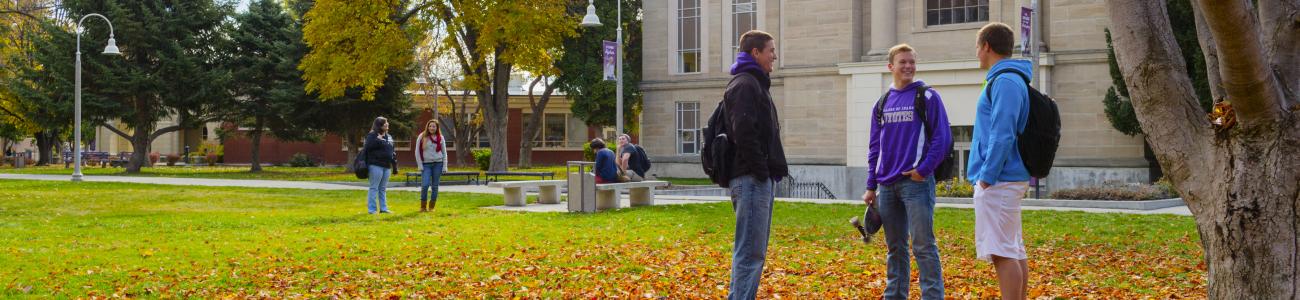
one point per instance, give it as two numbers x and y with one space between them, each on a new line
746 63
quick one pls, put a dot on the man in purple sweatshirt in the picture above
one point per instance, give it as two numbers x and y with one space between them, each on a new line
906 147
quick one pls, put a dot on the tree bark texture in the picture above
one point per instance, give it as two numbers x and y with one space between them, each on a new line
495 100
1239 182
352 141
255 138
1211 53
45 147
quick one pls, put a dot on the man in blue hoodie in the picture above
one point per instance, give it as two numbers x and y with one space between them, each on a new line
906 147
995 166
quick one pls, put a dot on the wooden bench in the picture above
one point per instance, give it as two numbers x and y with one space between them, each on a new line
470 177
640 193
548 191
495 175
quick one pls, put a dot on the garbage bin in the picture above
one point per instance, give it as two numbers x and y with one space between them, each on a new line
582 186
20 160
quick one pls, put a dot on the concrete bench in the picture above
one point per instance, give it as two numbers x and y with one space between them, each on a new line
640 193
548 191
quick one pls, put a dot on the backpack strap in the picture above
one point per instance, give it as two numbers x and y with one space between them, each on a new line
988 93
879 111
918 105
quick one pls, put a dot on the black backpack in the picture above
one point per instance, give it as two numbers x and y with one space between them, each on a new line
946 168
1037 143
715 155
640 162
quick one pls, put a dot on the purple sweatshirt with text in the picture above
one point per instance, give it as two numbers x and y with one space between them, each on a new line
900 144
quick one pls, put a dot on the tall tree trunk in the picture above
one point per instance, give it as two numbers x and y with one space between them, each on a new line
256 138
45 148
534 121
496 110
140 150
1239 182
351 141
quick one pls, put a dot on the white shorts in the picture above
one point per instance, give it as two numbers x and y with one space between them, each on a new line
997 221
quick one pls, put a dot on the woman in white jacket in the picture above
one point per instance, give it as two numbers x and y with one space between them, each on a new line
431 158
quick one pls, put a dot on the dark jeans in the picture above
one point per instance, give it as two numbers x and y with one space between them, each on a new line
752 200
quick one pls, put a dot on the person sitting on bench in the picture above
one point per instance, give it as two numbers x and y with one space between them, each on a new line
606 170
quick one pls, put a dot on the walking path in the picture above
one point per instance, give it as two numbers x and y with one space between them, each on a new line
478 189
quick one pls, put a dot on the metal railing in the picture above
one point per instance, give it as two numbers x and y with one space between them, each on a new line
792 188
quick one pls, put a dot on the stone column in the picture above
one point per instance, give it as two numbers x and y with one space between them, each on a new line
884 31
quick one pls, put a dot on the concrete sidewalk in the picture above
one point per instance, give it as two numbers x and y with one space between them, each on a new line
478 189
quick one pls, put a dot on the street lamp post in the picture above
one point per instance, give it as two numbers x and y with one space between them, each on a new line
591 20
111 49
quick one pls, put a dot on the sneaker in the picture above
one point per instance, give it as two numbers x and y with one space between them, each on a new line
857 224
385 212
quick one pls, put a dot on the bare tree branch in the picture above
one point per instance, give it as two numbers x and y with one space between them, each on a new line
1280 29
163 131
25 12
1246 72
115 130
415 11
1211 53
11 113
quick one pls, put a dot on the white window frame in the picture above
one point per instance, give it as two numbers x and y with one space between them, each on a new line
674 34
541 131
731 44
680 130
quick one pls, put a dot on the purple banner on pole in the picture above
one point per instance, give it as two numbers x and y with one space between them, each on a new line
1026 21
611 58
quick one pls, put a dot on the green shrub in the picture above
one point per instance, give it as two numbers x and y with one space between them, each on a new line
956 188
587 153
301 160
211 148
483 157
1115 191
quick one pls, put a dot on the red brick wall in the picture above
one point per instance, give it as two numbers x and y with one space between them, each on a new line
330 149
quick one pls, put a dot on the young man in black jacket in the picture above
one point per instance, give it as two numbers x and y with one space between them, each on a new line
759 159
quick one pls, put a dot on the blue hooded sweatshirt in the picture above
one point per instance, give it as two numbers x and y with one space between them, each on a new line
900 145
994 155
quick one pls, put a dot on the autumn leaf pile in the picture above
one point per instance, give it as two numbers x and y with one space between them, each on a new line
103 240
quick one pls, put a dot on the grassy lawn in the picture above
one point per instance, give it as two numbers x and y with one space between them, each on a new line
61 239
332 174
687 181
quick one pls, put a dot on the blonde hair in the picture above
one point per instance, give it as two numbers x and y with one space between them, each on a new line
900 48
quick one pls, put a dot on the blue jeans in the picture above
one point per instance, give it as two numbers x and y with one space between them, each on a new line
430 177
907 206
377 197
751 198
